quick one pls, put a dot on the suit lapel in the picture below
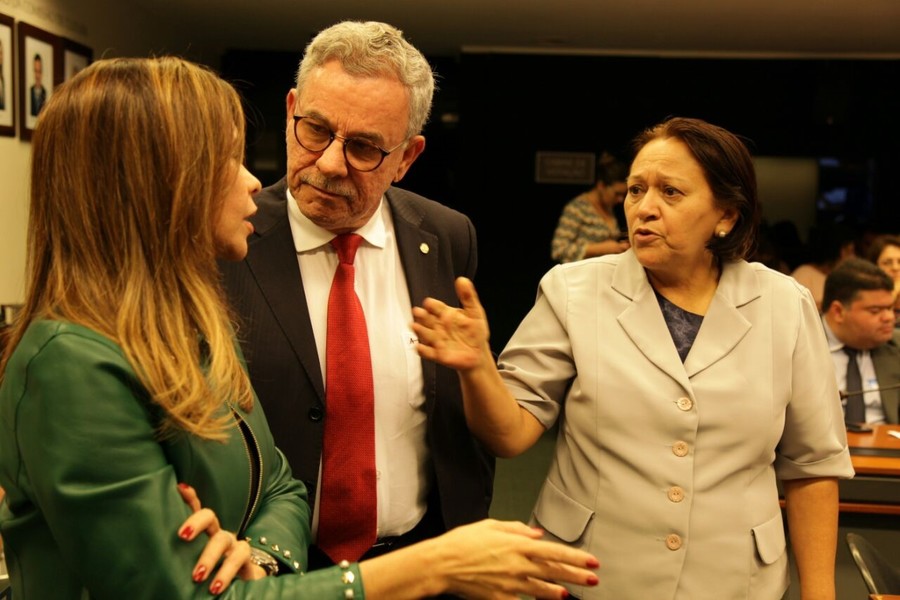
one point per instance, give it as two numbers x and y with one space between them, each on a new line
886 360
273 263
419 254
417 246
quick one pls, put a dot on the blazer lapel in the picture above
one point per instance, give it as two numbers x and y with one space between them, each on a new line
723 325
642 320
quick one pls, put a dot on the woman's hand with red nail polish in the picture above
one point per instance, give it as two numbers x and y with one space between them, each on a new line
223 551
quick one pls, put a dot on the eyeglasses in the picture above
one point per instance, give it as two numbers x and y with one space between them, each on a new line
359 153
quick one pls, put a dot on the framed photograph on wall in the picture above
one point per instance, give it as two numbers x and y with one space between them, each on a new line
7 82
38 53
75 57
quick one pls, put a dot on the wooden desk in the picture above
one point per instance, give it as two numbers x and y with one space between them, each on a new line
883 597
864 446
876 459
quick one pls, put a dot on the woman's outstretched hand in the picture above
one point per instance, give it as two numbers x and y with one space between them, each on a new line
454 337
486 560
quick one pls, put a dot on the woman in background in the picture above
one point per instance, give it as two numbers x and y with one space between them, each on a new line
829 245
884 251
588 225
121 377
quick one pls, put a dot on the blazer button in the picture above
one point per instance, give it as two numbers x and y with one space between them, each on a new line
684 403
673 541
675 494
315 414
680 448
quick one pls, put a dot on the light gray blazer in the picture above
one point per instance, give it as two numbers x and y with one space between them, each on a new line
667 471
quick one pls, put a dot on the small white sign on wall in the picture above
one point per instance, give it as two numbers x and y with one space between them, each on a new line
565 167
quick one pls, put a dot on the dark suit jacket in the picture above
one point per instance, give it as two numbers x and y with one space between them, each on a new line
886 359
38 97
266 290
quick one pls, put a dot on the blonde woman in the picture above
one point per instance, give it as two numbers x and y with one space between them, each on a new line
123 399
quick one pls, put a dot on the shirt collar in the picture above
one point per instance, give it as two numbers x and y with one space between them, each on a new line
309 236
834 344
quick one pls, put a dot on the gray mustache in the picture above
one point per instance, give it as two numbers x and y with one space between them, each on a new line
328 185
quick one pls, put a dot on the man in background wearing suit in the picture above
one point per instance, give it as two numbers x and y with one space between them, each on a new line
354 123
858 315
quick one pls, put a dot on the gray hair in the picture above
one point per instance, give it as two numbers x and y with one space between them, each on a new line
369 49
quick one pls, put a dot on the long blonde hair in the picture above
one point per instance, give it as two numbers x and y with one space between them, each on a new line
130 159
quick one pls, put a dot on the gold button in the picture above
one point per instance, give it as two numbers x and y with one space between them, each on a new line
423 248
680 448
684 403
675 494
673 541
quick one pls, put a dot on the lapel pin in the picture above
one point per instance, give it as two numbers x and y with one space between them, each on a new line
423 248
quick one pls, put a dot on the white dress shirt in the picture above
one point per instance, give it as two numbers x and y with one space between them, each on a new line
400 420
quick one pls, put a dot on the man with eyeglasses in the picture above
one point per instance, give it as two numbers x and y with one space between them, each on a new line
858 314
354 123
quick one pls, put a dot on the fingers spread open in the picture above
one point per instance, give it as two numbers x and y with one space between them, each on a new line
204 520
236 555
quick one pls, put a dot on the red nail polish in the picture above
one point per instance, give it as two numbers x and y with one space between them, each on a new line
186 532
593 563
216 587
199 573
593 580
183 486
564 594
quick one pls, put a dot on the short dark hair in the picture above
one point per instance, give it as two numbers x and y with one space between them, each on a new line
852 276
610 170
728 166
879 244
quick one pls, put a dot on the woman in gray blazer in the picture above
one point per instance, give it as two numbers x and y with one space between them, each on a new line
686 382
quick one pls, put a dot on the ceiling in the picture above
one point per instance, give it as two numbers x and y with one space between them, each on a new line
757 28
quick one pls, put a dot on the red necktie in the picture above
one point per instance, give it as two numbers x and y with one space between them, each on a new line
347 506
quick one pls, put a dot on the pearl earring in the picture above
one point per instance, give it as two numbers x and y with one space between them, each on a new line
722 233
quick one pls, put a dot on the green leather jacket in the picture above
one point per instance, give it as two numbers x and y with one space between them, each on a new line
92 508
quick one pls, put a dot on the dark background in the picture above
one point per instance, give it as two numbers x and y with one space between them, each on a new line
493 112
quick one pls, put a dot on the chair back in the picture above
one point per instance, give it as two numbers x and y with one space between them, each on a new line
880 575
